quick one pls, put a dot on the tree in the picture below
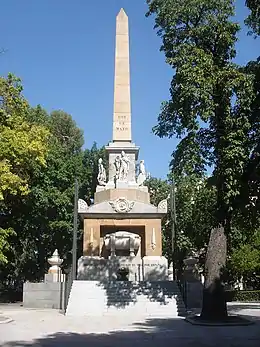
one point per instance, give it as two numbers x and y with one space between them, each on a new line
245 259
209 111
194 206
22 148
90 171
43 219
4 244
22 144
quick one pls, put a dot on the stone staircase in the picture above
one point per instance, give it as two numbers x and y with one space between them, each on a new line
139 299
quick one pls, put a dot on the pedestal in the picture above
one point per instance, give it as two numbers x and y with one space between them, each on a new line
155 268
194 287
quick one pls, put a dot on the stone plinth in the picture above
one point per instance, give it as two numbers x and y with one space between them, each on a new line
155 268
43 295
50 293
140 195
105 270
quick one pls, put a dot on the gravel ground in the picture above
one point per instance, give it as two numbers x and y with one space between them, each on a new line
49 328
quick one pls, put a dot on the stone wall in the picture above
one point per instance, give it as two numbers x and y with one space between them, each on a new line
43 295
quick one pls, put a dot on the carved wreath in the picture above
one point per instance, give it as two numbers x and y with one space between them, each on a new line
122 205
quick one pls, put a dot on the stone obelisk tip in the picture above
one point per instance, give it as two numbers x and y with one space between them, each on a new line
122 13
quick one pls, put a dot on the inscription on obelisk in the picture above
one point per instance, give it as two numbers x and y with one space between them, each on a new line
122 104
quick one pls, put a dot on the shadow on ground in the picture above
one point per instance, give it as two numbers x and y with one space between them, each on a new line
153 332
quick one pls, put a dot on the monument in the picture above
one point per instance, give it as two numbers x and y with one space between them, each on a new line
122 228
122 270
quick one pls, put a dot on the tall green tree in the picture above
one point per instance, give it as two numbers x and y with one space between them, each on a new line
209 111
43 219
23 146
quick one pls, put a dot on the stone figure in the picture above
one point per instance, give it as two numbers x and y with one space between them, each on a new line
117 165
102 177
142 174
124 167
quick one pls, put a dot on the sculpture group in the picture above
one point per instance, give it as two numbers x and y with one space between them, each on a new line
121 164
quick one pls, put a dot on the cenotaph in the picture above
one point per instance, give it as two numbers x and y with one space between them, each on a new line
122 228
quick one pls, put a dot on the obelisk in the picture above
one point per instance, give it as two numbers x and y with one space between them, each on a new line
121 144
122 103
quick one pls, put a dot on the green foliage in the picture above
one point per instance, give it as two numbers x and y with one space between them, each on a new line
243 295
245 258
43 220
159 189
198 212
4 244
36 222
90 171
199 43
253 20
23 147
211 110
194 211
22 144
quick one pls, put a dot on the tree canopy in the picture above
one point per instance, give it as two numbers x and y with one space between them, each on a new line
253 20
211 111
23 148
22 145
44 153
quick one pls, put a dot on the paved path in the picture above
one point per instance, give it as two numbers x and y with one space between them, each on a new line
49 328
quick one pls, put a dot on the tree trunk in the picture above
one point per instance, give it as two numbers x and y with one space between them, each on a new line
214 305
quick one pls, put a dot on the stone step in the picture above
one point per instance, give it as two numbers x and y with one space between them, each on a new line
90 298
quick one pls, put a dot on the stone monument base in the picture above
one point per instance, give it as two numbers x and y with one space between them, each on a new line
47 294
148 268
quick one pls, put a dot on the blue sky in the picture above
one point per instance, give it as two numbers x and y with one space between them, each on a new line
64 52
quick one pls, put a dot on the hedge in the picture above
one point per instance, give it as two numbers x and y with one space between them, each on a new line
242 295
